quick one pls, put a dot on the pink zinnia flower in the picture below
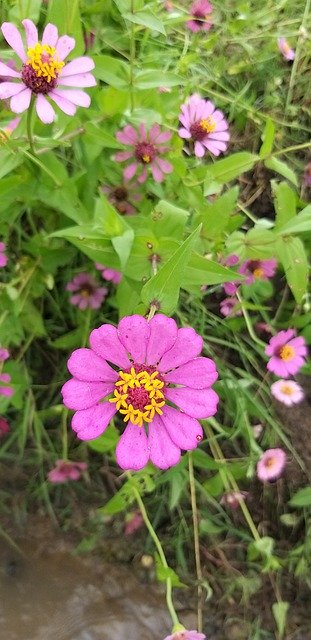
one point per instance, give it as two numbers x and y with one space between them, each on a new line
200 12
4 427
204 125
186 635
286 51
229 307
65 470
112 275
4 354
287 353
258 270
3 257
271 464
44 73
287 391
146 150
86 292
121 195
6 390
150 359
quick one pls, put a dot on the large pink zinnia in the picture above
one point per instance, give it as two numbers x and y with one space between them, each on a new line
44 73
200 13
156 381
204 125
287 353
147 147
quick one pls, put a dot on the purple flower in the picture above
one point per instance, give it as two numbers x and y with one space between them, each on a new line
4 354
204 125
65 470
112 275
3 257
287 353
6 390
4 427
44 73
287 391
86 292
186 635
156 365
121 195
258 270
229 307
147 146
271 464
200 12
286 51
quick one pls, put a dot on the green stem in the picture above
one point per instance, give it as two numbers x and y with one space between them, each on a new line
195 521
29 125
248 322
64 434
295 147
132 59
299 48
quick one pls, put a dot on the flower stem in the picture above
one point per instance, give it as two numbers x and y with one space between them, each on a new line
248 322
195 521
132 59
29 125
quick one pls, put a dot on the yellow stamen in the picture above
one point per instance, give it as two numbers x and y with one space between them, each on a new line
270 462
287 390
124 396
146 158
208 124
258 273
44 60
287 353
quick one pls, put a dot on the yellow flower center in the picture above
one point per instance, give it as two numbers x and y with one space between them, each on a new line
138 396
44 61
287 389
287 353
270 462
258 272
146 158
208 124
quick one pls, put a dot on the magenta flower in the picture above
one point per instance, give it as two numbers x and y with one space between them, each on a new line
200 12
230 307
284 48
121 195
65 470
112 275
287 391
4 354
4 427
86 292
44 72
271 464
156 366
6 390
287 353
186 635
146 150
258 270
3 257
203 125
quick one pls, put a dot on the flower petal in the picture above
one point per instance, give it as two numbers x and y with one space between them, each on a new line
50 35
163 452
187 346
199 149
91 423
197 403
44 109
14 39
65 105
185 431
82 395
21 101
79 80
184 133
9 89
84 364
78 65
31 33
134 333
199 373
128 135
132 449
64 45
163 333
75 96
106 343
156 172
6 71
130 171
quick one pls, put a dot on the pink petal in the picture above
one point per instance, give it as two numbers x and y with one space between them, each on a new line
44 109
79 80
197 403
84 364
130 171
156 172
91 423
106 343
134 332
7 71
163 334
65 105
64 45
82 395
163 452
197 374
76 96
14 39
164 136
199 149
132 449
21 101
9 89
219 135
184 133
78 65
142 177
187 346
31 33
185 431
128 135
164 165
121 156
213 147
50 35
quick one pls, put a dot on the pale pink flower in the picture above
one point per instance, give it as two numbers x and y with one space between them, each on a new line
186 635
230 307
112 275
232 499
287 353
44 72
204 126
271 464
4 354
134 521
156 365
4 427
257 270
200 12
286 51
122 196
3 257
65 470
147 147
6 390
86 292
287 391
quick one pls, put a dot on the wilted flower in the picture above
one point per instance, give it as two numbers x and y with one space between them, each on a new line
121 195
200 12
286 51
307 175
65 470
204 125
6 390
287 353
186 635
147 146
3 257
287 391
4 354
230 307
4 427
43 72
232 499
271 464
257 270
151 359
112 275
86 292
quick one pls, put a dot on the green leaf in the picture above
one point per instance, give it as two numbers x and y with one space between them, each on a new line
163 573
282 168
227 169
69 340
146 19
299 224
168 220
292 254
201 270
302 498
267 139
106 442
284 203
113 71
279 610
216 215
163 288
259 243
153 78
65 14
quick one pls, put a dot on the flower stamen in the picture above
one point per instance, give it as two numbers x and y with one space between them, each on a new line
138 395
286 353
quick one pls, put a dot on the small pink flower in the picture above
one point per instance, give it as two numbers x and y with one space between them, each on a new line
134 521
86 292
121 196
112 275
307 175
286 51
147 146
6 390
287 353
159 382
65 470
200 12
287 391
186 635
4 427
232 499
3 257
204 125
271 464
44 73
230 307
230 288
4 354
258 270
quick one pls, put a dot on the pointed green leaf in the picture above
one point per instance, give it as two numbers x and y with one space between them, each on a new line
284 202
227 169
267 139
282 168
292 254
